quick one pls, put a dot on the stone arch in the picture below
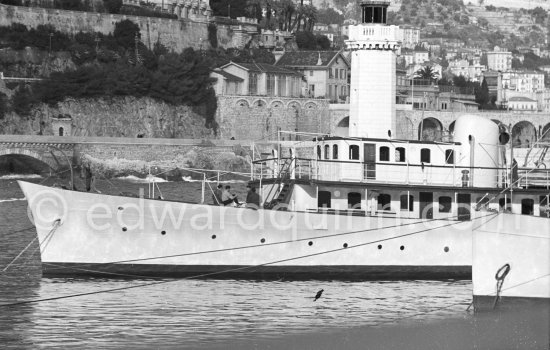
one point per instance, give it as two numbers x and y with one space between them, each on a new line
524 134
242 103
276 104
545 133
452 127
259 103
342 128
430 129
311 105
29 153
344 123
293 104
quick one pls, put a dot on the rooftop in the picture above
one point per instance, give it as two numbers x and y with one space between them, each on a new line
307 58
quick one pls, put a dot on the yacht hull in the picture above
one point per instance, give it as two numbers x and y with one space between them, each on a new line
94 234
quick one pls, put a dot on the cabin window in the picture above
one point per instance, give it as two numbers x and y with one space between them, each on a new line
445 203
354 200
384 201
400 154
323 199
425 155
407 206
318 152
505 204
327 152
527 206
384 154
354 152
544 209
449 156
334 151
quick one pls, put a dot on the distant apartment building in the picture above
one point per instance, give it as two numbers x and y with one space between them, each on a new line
523 81
520 103
256 79
421 56
410 36
325 72
499 60
465 69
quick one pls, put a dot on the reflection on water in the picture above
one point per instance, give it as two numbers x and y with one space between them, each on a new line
188 313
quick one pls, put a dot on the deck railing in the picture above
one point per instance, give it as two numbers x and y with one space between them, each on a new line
450 175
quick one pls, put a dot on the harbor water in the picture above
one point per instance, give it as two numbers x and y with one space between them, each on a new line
205 313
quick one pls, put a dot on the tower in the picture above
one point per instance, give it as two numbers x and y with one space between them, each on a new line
373 46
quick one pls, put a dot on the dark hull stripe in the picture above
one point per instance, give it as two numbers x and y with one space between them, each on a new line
260 272
485 303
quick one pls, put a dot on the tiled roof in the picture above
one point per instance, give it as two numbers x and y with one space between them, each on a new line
265 68
227 75
306 58
520 98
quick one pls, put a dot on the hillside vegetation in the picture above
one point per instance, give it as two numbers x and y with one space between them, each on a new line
114 65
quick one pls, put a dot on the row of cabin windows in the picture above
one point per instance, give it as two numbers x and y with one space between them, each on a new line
407 203
384 155
444 203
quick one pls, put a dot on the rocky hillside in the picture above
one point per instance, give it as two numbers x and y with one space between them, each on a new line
491 22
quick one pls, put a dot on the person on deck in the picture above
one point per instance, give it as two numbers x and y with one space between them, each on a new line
217 195
252 198
228 197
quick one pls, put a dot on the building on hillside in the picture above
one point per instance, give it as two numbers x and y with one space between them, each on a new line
545 69
519 103
226 83
523 81
410 36
421 56
499 60
270 39
326 72
256 79
465 69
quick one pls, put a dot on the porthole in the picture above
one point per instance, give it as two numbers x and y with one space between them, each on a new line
213 236
446 249
310 243
402 247
124 229
262 240
162 232
380 246
345 245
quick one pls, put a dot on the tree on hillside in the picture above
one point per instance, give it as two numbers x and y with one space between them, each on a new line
306 40
125 33
112 6
330 16
426 73
229 8
482 94
3 105
540 15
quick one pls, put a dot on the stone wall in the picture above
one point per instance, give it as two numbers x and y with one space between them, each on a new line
174 34
408 122
260 117
114 117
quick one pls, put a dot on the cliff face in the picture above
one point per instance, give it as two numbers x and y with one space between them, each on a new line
32 62
113 117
